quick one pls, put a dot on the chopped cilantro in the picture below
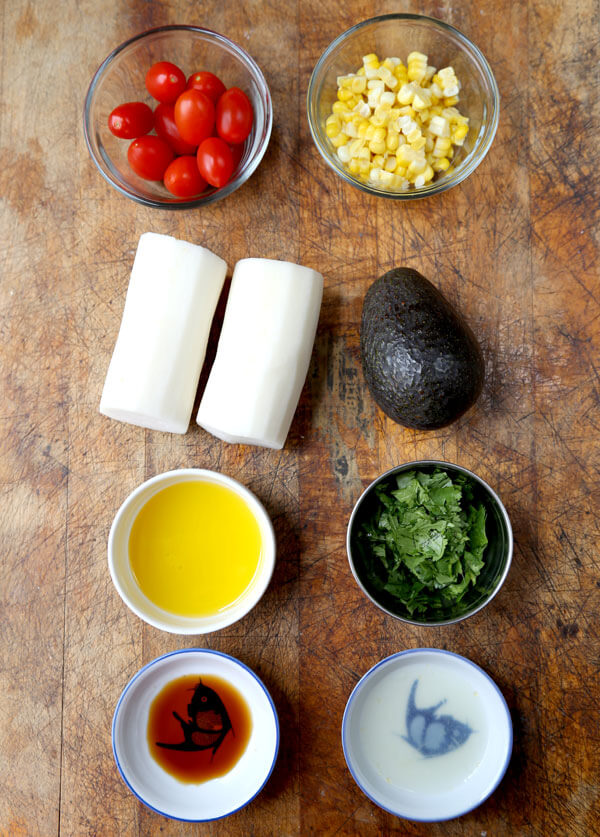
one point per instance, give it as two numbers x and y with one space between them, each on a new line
424 540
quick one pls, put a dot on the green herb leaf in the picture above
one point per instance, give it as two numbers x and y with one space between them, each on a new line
424 542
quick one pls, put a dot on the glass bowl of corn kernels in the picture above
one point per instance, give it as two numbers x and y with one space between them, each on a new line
403 106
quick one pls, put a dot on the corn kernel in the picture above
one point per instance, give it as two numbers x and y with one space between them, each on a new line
377 147
358 85
340 140
362 129
344 81
390 164
393 140
378 161
418 144
332 126
459 134
441 164
450 100
355 147
343 153
353 166
339 108
417 166
344 94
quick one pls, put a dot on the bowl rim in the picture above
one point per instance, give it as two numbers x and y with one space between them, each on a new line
217 194
256 591
140 673
435 651
471 161
419 463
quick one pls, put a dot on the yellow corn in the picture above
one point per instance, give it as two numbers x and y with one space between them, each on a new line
332 126
359 84
339 140
339 108
417 66
392 140
397 126
441 164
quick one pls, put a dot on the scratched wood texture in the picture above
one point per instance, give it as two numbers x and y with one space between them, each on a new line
515 247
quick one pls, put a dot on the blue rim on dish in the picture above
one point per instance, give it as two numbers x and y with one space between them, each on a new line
387 661
139 674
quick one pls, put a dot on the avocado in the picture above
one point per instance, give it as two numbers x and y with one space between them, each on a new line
422 363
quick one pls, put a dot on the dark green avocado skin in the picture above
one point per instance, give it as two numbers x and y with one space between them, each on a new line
422 363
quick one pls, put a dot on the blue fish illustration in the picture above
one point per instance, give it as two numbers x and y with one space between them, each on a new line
430 734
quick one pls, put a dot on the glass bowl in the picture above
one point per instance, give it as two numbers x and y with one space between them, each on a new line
398 35
497 556
120 78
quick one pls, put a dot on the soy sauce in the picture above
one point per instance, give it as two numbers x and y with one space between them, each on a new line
198 727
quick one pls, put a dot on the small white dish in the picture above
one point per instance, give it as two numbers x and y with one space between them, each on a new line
127 586
427 735
212 799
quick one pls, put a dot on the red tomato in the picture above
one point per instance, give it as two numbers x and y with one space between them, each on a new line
207 83
165 81
215 161
234 116
164 124
131 120
194 116
149 157
237 152
183 179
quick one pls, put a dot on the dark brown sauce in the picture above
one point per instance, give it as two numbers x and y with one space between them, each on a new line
198 727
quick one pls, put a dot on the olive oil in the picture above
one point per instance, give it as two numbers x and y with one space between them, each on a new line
198 727
195 548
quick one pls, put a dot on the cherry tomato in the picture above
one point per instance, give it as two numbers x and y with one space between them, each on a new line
207 83
131 120
164 124
182 177
237 152
215 161
149 157
194 116
165 81
234 116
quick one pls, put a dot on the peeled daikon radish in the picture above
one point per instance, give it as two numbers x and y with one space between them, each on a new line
263 353
153 375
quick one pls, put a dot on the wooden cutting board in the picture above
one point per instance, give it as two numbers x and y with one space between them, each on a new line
514 247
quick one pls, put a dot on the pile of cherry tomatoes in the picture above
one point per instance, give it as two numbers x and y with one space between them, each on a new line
200 130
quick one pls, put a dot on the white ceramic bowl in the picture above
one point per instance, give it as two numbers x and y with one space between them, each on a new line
127 586
155 787
427 735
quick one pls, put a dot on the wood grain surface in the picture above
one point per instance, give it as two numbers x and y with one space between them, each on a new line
515 247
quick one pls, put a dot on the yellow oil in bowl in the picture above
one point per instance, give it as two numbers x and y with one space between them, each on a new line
195 548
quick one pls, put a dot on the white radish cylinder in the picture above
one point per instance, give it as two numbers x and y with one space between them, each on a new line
154 371
263 353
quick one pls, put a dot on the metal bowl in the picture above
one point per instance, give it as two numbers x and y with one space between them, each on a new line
497 556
